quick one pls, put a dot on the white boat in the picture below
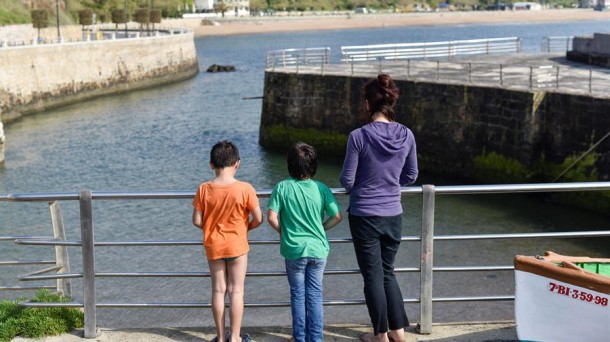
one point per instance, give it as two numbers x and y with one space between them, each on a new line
562 298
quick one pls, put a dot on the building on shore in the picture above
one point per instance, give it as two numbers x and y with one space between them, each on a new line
526 6
209 8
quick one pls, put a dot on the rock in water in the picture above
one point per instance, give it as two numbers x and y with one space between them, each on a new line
220 68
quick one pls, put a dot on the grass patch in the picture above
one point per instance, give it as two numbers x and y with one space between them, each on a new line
38 322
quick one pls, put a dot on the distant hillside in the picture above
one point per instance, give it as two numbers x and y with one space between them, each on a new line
13 12
18 12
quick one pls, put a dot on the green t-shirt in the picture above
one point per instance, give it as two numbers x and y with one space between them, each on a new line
302 205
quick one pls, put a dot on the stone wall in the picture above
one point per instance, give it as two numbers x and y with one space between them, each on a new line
38 77
483 134
33 78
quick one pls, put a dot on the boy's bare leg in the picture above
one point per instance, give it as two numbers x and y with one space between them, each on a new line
236 271
218 273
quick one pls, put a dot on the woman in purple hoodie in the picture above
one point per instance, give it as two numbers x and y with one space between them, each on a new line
380 158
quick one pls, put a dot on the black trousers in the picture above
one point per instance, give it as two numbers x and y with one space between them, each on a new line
376 240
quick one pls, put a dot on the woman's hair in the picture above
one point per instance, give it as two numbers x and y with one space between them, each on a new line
302 161
224 154
381 94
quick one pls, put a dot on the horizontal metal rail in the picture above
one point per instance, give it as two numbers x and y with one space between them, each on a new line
87 244
409 190
558 43
25 288
27 262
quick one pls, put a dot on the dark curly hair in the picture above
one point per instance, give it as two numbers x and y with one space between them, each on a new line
381 93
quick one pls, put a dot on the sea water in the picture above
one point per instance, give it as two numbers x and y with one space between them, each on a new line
159 139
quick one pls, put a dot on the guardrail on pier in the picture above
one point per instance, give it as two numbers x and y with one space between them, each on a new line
426 237
447 49
539 76
310 56
557 44
100 32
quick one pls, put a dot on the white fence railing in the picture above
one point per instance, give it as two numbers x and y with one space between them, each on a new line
367 53
289 57
100 32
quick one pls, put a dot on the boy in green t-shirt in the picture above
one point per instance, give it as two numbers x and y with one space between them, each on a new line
297 209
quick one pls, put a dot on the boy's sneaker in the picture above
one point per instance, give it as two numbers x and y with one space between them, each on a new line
215 339
228 339
246 338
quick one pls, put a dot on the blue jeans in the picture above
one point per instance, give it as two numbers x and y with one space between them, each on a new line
305 278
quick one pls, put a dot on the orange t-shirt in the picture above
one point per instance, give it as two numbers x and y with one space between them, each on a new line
225 213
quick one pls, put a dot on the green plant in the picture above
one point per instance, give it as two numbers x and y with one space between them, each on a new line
37 322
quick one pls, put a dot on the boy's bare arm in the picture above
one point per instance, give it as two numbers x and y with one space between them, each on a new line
197 219
332 221
273 219
257 218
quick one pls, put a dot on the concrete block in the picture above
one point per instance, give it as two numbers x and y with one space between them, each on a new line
581 44
600 44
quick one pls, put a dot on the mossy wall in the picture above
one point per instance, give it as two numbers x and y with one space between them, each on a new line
488 135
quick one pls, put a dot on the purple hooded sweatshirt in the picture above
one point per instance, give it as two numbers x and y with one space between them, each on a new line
380 158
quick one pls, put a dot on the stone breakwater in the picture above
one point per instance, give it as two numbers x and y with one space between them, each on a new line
34 78
463 131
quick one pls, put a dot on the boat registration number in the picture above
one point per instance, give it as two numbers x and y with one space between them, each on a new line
577 294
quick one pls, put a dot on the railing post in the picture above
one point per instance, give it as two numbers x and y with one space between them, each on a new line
501 76
61 252
427 248
87 239
438 67
469 72
531 77
590 80
557 78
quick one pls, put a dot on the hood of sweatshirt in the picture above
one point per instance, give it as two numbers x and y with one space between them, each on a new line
386 137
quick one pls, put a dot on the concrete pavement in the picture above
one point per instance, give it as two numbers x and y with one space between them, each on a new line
471 332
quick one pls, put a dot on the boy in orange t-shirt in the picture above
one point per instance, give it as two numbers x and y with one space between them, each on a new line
222 209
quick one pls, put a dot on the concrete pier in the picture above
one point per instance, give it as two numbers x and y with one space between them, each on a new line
516 118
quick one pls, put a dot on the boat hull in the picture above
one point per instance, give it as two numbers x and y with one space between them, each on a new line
557 304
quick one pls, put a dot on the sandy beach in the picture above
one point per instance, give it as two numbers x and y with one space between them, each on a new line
257 25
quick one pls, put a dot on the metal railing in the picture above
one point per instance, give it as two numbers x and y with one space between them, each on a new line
582 80
447 49
427 238
100 32
296 57
557 44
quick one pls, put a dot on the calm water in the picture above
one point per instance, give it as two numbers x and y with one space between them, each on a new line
159 139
